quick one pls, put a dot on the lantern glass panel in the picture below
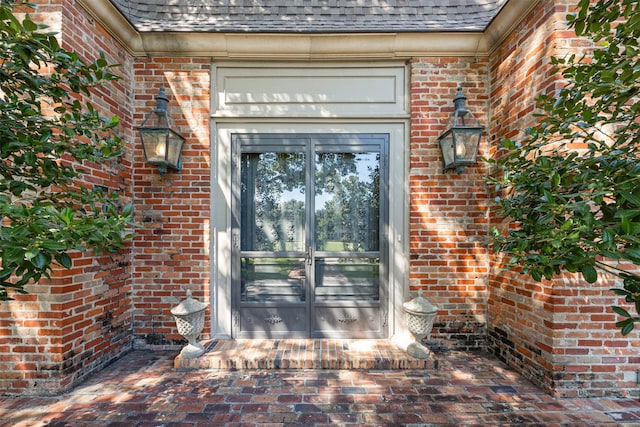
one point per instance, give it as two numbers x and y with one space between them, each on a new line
466 145
446 145
154 142
173 149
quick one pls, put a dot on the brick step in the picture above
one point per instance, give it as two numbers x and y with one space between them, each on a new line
352 354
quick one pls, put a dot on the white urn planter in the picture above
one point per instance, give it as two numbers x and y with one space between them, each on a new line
189 316
420 315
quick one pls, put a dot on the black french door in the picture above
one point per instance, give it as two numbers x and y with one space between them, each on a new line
309 249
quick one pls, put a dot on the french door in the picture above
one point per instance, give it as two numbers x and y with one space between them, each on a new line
309 249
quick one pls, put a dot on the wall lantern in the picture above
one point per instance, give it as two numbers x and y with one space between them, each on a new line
460 142
162 145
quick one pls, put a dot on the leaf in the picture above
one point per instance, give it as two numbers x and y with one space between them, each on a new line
39 261
620 292
627 329
29 25
631 198
589 273
5 273
632 254
67 215
64 260
536 275
621 311
607 76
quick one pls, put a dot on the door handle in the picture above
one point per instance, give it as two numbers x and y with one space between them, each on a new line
309 260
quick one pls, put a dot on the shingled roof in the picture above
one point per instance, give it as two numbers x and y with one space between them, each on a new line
309 16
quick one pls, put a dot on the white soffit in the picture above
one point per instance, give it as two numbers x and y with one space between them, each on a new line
307 46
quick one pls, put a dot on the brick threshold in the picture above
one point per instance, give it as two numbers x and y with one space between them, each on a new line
351 354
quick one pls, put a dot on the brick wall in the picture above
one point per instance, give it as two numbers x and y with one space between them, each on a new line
560 333
171 248
87 316
79 320
519 310
448 211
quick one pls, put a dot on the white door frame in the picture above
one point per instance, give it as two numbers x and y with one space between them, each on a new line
223 125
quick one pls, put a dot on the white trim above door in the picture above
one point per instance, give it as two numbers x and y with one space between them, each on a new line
387 114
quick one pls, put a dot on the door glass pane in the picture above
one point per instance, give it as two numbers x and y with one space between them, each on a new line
347 202
345 279
272 202
273 279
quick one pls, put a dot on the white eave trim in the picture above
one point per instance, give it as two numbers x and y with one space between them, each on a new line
312 46
507 20
107 15
306 46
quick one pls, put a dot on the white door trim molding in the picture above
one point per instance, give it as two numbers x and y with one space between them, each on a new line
221 239
284 98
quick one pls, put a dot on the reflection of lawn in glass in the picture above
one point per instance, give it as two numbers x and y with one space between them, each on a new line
273 279
336 246
347 279
283 279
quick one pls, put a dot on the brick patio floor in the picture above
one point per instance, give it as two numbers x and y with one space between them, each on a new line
144 389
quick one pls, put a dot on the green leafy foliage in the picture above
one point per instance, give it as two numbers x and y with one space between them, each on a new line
46 134
578 209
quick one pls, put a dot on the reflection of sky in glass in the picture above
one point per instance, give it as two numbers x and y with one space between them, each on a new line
365 163
295 194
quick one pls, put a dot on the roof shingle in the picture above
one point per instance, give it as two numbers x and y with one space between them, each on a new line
309 16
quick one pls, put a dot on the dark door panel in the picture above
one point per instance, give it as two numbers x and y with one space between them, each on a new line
309 220
346 322
273 322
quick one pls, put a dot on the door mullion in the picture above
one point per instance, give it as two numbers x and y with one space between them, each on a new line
310 218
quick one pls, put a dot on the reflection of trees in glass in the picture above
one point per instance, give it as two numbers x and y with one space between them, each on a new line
349 219
347 201
272 212
293 224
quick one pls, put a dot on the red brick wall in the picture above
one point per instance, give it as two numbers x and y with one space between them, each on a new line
81 319
171 248
519 313
448 211
558 333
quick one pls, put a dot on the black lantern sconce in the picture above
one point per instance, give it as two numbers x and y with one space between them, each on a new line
460 141
162 145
